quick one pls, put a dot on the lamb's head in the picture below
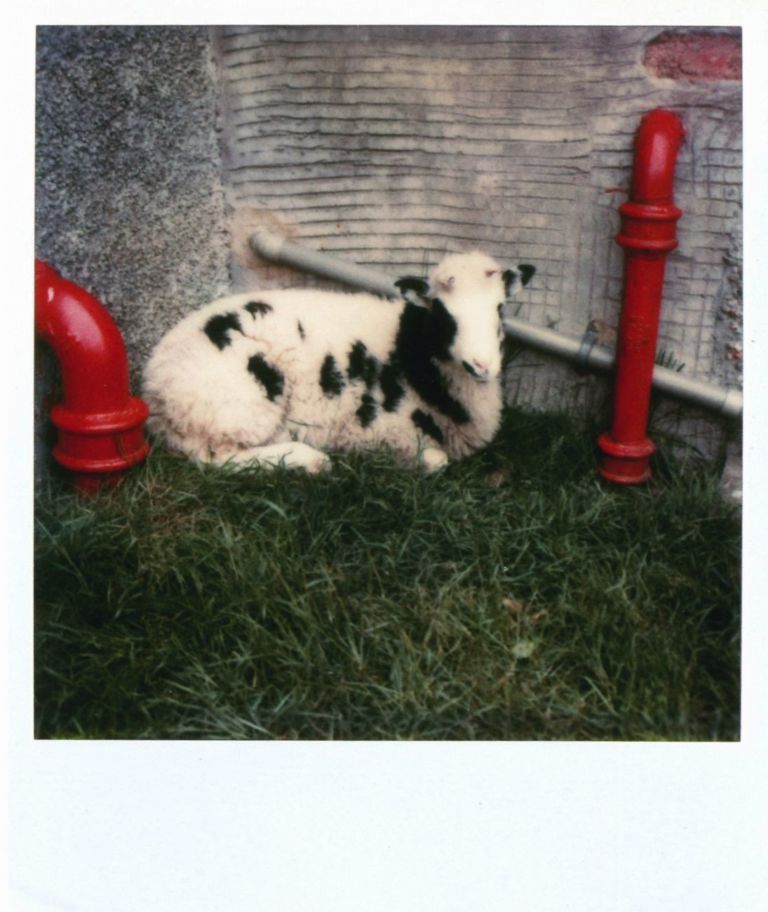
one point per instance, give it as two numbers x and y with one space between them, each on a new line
464 296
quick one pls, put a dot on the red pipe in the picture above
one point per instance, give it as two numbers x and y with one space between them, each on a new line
100 425
647 236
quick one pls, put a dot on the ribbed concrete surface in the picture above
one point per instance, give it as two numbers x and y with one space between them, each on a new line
391 145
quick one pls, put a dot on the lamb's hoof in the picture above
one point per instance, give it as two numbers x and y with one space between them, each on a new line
308 458
319 463
432 459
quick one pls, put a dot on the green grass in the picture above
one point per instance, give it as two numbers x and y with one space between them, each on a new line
377 603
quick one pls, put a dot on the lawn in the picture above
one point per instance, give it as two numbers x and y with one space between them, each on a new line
511 596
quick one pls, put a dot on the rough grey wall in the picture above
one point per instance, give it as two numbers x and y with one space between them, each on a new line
129 197
129 200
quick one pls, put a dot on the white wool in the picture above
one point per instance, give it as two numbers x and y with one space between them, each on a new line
233 383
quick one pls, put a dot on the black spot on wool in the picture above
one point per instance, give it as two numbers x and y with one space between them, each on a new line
441 329
258 308
389 380
362 365
367 411
218 327
414 354
301 330
269 377
331 378
426 423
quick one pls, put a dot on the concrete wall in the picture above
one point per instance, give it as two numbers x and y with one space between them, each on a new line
129 200
161 149
129 177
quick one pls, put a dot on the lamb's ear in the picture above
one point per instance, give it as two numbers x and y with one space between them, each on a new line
414 290
524 272
510 278
527 272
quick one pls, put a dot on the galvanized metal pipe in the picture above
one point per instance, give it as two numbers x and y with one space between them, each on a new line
281 250
727 402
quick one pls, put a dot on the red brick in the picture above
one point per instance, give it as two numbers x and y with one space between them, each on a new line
694 56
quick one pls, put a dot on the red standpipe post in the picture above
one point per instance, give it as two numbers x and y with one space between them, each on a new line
100 425
647 235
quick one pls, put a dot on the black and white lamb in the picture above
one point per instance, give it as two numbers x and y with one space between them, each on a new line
282 377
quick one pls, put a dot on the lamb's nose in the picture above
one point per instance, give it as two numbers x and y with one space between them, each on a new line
478 369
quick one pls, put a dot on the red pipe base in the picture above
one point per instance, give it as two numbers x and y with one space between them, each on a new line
98 449
625 463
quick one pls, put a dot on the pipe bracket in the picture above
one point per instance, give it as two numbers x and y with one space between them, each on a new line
588 342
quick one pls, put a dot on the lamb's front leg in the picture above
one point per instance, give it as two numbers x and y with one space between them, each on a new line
432 459
290 454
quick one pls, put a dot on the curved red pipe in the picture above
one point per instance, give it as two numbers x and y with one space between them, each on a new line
100 425
647 235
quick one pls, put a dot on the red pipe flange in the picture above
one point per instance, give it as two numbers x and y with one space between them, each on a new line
647 235
100 425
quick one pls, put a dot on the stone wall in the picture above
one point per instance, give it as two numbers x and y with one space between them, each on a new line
129 197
